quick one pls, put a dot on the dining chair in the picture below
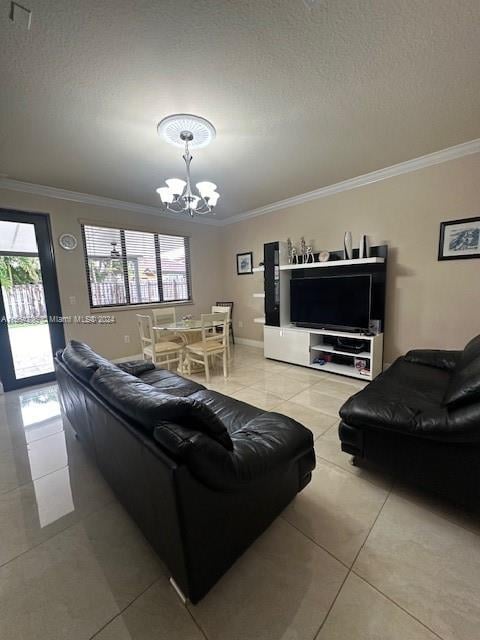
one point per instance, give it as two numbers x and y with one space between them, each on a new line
226 311
164 316
230 306
158 349
212 345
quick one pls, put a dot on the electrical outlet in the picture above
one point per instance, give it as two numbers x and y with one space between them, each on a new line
126 339
73 300
240 324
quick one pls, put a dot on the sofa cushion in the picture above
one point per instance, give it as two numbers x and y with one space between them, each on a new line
136 367
147 406
233 413
82 360
170 382
438 358
406 397
464 386
471 352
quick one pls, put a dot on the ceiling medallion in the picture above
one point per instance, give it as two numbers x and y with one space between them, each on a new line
189 132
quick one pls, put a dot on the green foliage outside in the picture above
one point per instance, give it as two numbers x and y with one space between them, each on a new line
19 270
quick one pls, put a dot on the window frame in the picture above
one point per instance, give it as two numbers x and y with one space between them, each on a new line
124 261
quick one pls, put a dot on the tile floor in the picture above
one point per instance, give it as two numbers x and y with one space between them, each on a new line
354 557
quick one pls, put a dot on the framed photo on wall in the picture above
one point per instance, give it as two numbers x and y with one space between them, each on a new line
244 263
459 239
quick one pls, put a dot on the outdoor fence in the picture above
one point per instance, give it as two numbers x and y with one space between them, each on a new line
24 302
111 293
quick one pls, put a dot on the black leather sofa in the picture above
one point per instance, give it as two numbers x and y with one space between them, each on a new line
420 419
202 474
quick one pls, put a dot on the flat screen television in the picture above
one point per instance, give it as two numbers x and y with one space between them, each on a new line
336 302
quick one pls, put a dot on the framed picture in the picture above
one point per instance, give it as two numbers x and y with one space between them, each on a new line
459 239
244 263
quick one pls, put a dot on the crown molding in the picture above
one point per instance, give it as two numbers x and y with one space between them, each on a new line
438 157
429 160
99 201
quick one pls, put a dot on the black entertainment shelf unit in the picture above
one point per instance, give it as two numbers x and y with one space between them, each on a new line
317 345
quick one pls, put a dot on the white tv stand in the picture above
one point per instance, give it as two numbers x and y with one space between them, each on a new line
302 346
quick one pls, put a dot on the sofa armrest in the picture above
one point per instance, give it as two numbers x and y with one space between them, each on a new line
259 447
267 441
439 358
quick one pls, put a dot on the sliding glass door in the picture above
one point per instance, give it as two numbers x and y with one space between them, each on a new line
29 300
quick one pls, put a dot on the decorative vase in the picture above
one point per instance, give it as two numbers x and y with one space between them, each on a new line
324 256
347 246
364 247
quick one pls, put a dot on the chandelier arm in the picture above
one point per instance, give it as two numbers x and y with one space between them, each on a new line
204 203
185 207
175 207
204 207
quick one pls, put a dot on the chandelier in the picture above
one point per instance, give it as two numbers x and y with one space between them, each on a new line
187 131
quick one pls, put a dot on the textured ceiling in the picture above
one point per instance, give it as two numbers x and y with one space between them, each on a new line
301 98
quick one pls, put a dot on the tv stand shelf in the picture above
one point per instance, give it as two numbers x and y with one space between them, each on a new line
329 349
341 370
302 346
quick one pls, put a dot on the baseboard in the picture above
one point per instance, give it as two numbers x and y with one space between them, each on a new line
258 344
135 356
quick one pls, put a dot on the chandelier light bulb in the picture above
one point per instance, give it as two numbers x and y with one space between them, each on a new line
213 199
206 189
166 195
176 185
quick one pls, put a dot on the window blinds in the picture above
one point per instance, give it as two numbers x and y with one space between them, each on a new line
126 267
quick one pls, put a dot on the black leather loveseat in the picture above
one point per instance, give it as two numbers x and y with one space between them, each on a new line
202 474
421 420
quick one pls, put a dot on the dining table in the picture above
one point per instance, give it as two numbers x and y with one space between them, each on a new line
189 331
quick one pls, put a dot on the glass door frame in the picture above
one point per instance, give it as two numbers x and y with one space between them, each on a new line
43 234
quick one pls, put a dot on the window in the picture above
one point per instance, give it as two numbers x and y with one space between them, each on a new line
142 267
127 267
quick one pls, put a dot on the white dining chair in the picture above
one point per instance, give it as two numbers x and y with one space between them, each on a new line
159 349
162 317
226 311
213 344
229 304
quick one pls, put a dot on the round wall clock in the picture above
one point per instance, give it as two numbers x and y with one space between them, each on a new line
68 241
